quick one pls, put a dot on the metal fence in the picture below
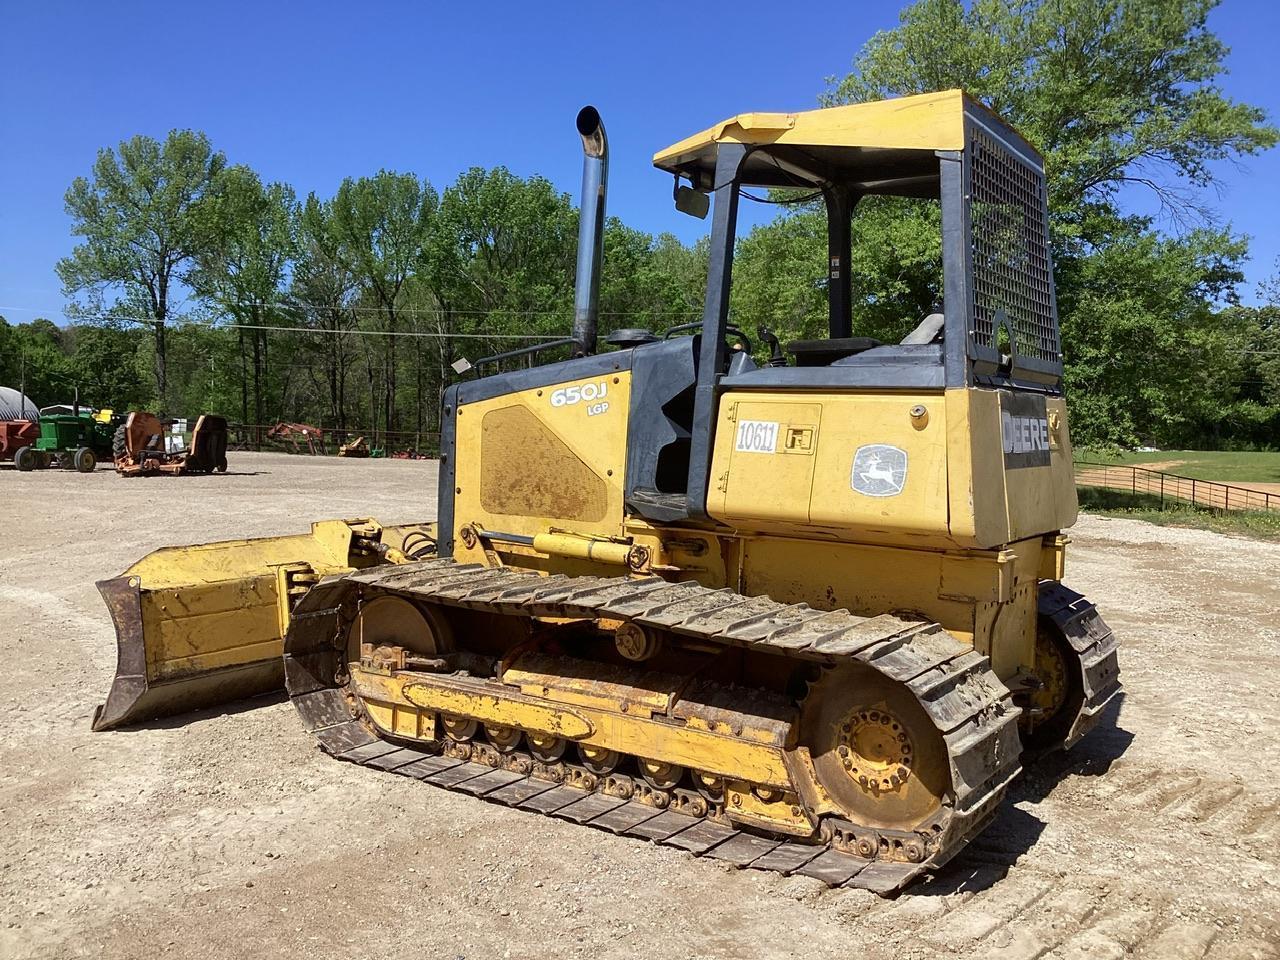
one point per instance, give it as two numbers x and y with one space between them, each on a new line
1169 487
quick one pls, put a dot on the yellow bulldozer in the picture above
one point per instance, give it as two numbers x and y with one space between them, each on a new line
805 616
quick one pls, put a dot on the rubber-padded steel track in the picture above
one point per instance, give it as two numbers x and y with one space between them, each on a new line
1096 648
954 684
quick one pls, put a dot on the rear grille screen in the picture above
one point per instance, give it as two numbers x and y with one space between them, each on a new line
1012 287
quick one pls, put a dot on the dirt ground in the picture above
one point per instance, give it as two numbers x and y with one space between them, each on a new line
228 834
1261 487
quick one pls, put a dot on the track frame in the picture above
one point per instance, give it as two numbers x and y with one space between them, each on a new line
970 707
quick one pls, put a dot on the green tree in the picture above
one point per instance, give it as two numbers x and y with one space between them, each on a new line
322 291
780 275
205 361
33 359
1112 92
508 249
1252 416
138 217
242 268
383 223
1269 289
1118 95
502 262
650 282
1148 358
1256 413
507 257
103 365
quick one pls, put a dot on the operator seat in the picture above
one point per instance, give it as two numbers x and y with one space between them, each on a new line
921 345
848 351
823 353
928 330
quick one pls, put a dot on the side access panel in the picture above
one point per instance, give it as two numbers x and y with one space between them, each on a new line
548 457
870 467
765 454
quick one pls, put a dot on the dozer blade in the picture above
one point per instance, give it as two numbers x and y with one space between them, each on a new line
204 625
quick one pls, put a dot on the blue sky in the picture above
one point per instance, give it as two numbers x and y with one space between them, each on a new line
310 93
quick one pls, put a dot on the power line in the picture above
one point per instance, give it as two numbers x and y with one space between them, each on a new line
213 325
566 311
430 335
355 331
384 333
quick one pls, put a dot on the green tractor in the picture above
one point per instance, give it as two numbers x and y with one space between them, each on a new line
68 440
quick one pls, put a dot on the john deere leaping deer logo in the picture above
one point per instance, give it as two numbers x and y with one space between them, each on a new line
879 470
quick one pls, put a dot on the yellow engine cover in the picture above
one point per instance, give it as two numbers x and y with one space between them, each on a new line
549 457
974 468
783 460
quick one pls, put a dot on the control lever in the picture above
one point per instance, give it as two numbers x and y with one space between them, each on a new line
776 357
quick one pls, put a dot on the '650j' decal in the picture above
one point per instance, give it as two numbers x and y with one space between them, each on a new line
592 394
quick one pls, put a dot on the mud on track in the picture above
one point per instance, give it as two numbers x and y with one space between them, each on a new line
230 835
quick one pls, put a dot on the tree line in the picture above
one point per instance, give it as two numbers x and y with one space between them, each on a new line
344 311
196 286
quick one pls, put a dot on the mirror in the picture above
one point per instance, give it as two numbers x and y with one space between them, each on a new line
690 201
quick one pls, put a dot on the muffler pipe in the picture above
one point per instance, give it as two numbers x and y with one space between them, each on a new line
595 181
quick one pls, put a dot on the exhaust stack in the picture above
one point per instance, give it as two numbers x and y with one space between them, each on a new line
595 181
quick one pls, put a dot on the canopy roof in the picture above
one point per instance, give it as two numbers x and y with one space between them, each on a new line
869 145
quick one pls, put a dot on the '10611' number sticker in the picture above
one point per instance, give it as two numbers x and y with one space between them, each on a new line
757 436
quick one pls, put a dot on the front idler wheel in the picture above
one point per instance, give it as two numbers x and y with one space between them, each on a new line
396 622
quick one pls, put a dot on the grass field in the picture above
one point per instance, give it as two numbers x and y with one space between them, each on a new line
1223 466
1250 467
1116 503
